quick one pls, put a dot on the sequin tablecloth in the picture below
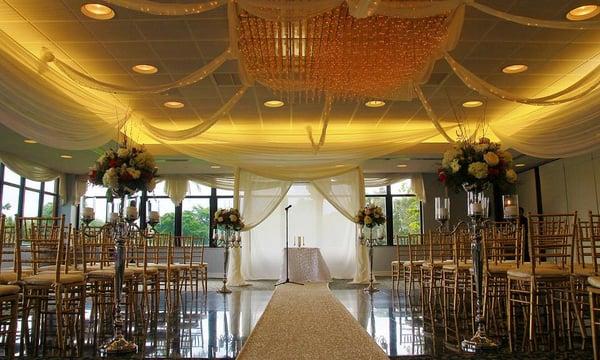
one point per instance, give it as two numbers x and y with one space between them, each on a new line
306 265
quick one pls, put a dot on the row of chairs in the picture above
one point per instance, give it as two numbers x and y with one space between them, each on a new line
49 269
545 283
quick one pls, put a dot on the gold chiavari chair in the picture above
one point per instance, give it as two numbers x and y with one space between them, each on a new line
594 282
503 250
146 283
9 303
439 246
161 255
396 265
456 285
58 294
194 270
417 255
98 253
537 287
8 257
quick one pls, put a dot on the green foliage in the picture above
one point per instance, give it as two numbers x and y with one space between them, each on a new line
195 223
407 216
48 210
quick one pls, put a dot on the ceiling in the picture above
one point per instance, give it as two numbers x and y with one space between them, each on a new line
107 50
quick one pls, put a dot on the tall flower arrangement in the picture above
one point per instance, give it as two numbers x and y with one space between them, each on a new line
229 219
370 216
124 171
476 165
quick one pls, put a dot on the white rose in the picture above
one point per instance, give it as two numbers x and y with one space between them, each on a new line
478 170
220 219
511 176
449 156
111 179
134 173
455 166
233 218
491 158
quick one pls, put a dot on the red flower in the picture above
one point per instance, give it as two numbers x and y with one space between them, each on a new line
126 177
442 175
113 163
493 171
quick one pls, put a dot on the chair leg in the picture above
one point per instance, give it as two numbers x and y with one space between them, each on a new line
593 324
509 313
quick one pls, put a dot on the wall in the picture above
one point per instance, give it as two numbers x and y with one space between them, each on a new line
566 185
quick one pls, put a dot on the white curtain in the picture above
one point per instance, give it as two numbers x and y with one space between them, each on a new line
311 216
416 182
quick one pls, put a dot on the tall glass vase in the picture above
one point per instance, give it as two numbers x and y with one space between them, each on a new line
478 212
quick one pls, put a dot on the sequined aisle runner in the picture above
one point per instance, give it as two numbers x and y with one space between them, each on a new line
308 322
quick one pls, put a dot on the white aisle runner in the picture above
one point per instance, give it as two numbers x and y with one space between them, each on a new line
308 322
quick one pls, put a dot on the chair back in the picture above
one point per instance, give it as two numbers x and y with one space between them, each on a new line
98 248
190 250
503 243
594 229
160 249
440 247
41 242
7 246
584 244
417 248
461 246
552 239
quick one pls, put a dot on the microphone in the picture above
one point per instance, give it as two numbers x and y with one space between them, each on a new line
287 207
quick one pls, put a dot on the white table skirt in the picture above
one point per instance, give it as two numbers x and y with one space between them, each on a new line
306 265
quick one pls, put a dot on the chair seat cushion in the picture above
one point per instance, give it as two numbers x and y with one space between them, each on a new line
139 269
594 281
108 273
9 290
436 263
414 263
53 268
9 276
541 271
199 265
501 268
583 271
460 266
49 278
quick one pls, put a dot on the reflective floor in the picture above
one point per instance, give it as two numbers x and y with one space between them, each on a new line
215 326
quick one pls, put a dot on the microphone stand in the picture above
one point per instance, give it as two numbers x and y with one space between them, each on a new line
287 252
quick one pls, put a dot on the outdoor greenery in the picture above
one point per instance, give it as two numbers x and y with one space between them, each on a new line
195 223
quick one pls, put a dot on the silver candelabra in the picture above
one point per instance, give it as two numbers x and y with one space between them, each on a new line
227 238
370 241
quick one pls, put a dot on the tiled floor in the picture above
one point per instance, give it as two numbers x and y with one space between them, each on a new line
216 326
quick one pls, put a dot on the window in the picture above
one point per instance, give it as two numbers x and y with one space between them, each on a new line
24 197
403 205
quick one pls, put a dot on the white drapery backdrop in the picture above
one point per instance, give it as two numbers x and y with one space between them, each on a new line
322 213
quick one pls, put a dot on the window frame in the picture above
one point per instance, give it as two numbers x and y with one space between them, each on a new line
42 192
389 209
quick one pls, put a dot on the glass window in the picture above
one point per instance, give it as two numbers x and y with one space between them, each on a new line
33 184
95 190
48 207
50 187
10 203
223 192
224 203
379 201
166 209
402 187
159 190
11 176
381 190
31 204
196 218
406 217
197 189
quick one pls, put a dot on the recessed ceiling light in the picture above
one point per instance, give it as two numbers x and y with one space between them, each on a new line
519 165
583 12
174 104
472 103
274 103
401 165
375 103
145 69
215 167
29 141
66 156
98 11
514 69
340 165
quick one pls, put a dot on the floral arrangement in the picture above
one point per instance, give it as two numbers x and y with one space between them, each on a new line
370 216
229 219
124 171
476 165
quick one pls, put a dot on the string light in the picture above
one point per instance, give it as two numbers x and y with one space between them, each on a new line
338 55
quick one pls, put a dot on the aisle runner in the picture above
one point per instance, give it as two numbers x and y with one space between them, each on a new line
308 322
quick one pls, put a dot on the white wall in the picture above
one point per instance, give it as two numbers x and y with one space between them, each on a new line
567 185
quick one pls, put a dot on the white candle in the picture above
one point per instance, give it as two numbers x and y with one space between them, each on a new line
443 214
132 212
154 216
88 213
511 211
114 217
476 208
